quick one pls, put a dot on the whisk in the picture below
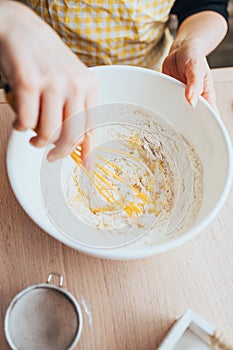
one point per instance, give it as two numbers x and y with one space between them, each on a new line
100 179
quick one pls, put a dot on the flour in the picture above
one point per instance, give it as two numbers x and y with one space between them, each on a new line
147 180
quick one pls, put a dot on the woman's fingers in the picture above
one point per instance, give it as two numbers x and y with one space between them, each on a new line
188 64
87 155
76 116
26 106
49 82
73 128
209 91
90 116
194 82
48 128
170 66
200 83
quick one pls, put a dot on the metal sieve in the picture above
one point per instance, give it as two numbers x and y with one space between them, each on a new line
44 316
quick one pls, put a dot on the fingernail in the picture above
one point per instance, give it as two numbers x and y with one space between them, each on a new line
31 141
34 141
194 100
51 157
16 125
87 165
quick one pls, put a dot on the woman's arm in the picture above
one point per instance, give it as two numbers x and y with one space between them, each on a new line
207 29
198 35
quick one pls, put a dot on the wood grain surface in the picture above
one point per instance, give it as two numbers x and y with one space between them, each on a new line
126 305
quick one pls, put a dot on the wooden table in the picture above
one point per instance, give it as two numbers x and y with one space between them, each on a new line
126 305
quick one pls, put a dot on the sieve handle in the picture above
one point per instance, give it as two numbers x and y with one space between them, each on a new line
57 275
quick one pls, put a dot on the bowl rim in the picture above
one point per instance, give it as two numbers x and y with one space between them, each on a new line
148 251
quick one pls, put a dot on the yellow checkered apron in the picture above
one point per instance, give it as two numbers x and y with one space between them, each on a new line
131 32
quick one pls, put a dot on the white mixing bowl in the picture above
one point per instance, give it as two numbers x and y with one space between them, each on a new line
201 126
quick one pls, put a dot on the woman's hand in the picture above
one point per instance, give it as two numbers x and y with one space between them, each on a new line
197 36
48 81
187 63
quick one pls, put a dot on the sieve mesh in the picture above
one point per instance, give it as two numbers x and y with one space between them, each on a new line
43 318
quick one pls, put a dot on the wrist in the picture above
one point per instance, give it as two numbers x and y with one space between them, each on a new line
188 42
